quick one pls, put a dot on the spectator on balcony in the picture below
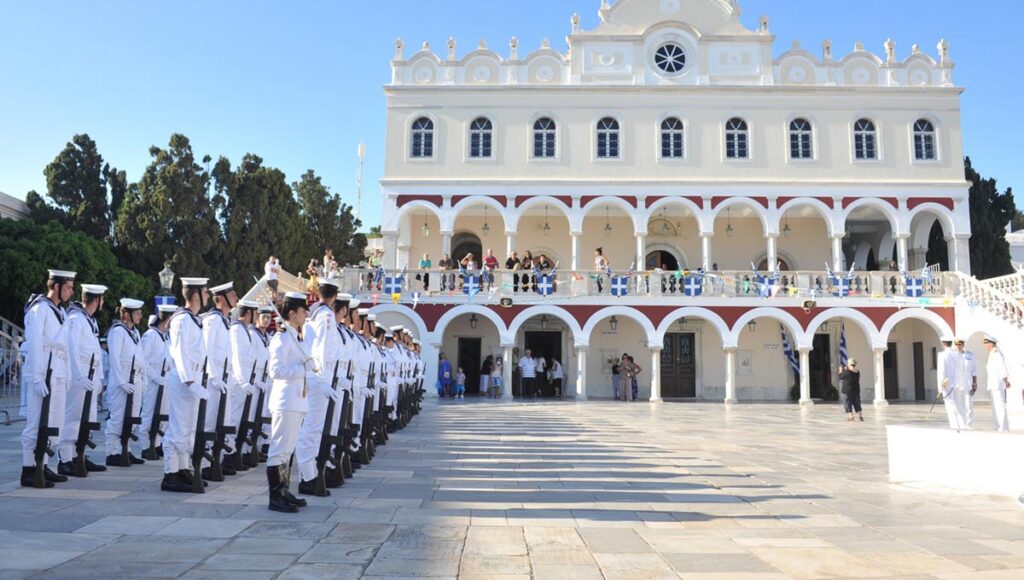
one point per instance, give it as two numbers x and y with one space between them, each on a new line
546 267
513 264
425 275
490 265
375 262
602 265
527 266
447 280
272 269
893 266
468 263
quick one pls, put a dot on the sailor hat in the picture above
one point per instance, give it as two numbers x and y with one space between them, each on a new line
194 282
266 309
371 317
330 282
151 320
251 304
364 312
295 295
132 304
416 342
989 338
223 288
946 338
94 289
354 303
397 328
389 336
167 308
344 298
63 275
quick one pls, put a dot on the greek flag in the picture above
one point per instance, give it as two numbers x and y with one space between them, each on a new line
693 286
378 275
843 356
545 285
620 286
915 286
790 355
393 284
841 287
470 285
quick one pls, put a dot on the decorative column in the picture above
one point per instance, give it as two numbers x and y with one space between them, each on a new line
730 375
390 248
805 377
510 243
430 354
401 256
902 254
581 372
772 250
641 252
705 249
959 253
656 374
506 372
837 252
576 250
880 400
446 244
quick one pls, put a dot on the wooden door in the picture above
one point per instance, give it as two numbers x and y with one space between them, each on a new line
469 360
892 375
679 366
919 394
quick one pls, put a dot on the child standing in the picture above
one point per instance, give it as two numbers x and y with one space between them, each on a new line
460 383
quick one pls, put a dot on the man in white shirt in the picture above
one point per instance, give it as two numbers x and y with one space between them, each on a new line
968 381
271 270
528 370
949 373
998 382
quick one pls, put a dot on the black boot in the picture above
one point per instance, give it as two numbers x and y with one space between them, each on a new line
227 470
186 476
91 467
295 501
114 461
335 477
151 454
28 478
278 502
174 482
135 460
67 468
309 488
207 474
51 476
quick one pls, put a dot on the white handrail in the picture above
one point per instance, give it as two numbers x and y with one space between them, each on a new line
999 303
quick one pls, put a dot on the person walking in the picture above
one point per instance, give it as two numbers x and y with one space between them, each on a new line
444 376
969 381
557 376
998 382
949 384
496 378
485 376
528 369
849 378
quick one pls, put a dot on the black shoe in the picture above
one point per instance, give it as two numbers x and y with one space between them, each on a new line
295 501
51 476
28 478
278 501
93 467
173 482
66 468
160 451
207 474
135 460
186 476
335 477
227 470
309 488
264 449
114 460
151 454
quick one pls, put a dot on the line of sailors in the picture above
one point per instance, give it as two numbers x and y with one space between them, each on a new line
253 384
958 382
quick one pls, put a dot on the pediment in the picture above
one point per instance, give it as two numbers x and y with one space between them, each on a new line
707 17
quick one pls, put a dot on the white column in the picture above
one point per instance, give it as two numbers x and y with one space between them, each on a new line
959 253
390 249
581 373
641 252
772 250
902 253
506 373
805 377
510 243
430 354
705 249
576 251
730 375
656 374
837 252
880 400
401 256
446 244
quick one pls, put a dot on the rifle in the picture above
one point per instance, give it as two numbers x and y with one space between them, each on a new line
154 427
85 427
199 445
379 417
365 441
257 426
220 431
129 420
320 485
244 424
44 433
343 443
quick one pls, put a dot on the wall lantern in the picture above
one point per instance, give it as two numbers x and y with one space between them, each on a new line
614 324
473 321
752 326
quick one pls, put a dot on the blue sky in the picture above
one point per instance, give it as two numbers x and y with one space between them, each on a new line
299 83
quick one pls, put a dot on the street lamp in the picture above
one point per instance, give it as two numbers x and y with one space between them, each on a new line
473 321
752 326
166 278
614 324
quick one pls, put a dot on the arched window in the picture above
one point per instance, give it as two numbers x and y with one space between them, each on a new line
924 140
865 139
544 138
737 139
672 138
481 137
422 138
608 138
801 139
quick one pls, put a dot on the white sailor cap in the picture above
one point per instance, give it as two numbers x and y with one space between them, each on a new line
295 295
64 275
364 312
167 308
990 338
266 309
132 304
396 328
354 303
389 336
946 338
330 282
250 304
416 342
151 321
344 298
223 288
371 317
95 289
194 282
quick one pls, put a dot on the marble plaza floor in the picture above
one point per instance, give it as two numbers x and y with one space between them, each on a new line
542 490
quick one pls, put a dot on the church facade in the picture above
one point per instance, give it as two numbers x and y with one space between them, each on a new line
760 217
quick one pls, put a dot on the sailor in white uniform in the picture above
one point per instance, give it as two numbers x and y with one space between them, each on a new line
968 379
86 364
291 365
45 372
949 374
126 383
261 342
217 336
998 382
184 386
242 384
156 352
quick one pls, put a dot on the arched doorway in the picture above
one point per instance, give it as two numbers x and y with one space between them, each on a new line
465 243
783 264
661 259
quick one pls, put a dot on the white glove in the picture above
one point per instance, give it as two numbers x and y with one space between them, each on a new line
217 385
41 389
199 391
84 384
309 364
127 387
335 394
249 389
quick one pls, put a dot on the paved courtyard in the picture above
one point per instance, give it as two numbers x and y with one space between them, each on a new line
542 490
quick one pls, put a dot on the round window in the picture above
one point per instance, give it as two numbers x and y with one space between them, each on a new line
670 58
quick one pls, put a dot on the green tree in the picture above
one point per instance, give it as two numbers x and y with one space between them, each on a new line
80 185
23 273
991 210
168 215
260 217
329 220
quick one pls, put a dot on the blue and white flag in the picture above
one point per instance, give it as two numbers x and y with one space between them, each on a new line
378 275
843 356
620 286
787 349
545 285
470 285
693 286
841 287
393 284
914 286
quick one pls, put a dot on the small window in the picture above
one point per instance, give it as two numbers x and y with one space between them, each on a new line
670 58
608 138
422 138
672 138
737 139
544 138
801 139
865 140
924 140
481 136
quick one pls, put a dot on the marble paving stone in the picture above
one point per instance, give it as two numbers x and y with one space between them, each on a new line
115 569
244 562
615 541
340 554
479 564
127 525
203 574
819 563
359 534
717 563
566 572
242 545
288 530
321 571
205 528
392 567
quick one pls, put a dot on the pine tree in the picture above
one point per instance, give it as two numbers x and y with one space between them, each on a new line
991 210
330 221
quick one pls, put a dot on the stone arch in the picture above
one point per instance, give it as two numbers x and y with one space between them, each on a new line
410 208
825 212
540 201
704 314
488 313
667 202
625 312
759 210
478 200
681 257
788 320
540 310
616 202
881 205
938 324
932 212
855 316
421 328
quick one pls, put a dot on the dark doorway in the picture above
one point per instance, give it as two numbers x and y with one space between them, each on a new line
783 265
919 394
467 243
469 360
892 375
821 366
662 259
546 344
679 366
